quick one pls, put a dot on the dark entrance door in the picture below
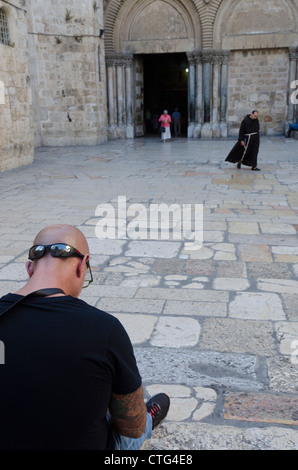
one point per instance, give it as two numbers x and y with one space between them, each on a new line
165 87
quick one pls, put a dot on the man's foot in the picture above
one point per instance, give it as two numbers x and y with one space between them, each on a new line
239 165
158 407
256 169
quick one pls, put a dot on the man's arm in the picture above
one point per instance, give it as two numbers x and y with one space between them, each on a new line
242 132
128 413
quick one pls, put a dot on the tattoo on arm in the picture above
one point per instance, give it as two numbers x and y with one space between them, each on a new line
128 413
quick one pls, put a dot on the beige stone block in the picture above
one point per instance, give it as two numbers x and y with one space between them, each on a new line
243 227
258 253
176 332
282 286
138 327
256 306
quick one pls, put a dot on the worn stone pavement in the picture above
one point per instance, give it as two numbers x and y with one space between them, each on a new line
216 328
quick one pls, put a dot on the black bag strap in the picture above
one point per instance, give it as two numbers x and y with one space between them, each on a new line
36 293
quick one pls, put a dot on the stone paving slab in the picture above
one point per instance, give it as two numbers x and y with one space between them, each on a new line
215 328
261 407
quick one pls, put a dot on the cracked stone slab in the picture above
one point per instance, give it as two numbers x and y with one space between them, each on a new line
176 332
261 407
256 306
138 327
200 368
205 436
286 286
239 336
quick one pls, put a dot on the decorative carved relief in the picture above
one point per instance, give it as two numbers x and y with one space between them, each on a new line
162 20
159 20
210 56
119 59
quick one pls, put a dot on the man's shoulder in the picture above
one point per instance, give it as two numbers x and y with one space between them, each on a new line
65 304
82 306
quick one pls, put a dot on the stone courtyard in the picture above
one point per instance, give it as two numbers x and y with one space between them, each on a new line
216 328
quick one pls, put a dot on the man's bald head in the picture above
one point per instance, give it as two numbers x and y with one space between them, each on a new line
62 233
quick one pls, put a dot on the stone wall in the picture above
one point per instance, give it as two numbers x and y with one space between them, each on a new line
68 72
16 125
258 79
56 72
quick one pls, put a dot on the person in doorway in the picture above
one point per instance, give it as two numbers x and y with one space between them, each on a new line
148 121
176 120
155 122
165 122
246 150
70 379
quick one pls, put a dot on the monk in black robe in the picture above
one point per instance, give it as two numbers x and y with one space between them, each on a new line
246 149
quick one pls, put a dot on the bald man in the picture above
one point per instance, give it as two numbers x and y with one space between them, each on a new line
70 379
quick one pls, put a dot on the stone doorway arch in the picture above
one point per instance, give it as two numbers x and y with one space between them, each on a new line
134 29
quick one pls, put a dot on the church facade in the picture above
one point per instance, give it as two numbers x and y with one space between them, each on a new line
80 72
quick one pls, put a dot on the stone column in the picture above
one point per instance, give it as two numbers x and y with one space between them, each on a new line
293 75
199 95
119 78
128 93
110 66
207 69
120 94
217 58
208 119
223 93
191 95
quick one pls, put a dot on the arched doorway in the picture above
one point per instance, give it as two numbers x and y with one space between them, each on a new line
144 42
165 87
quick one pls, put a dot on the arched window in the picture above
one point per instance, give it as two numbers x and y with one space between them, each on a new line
4 31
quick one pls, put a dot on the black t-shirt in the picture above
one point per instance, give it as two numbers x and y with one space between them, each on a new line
63 360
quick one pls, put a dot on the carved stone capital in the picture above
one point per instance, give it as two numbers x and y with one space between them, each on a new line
293 53
119 59
191 56
214 57
225 57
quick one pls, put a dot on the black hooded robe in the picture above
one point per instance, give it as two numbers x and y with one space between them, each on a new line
249 133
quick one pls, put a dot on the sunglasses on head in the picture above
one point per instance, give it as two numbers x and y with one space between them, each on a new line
58 250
